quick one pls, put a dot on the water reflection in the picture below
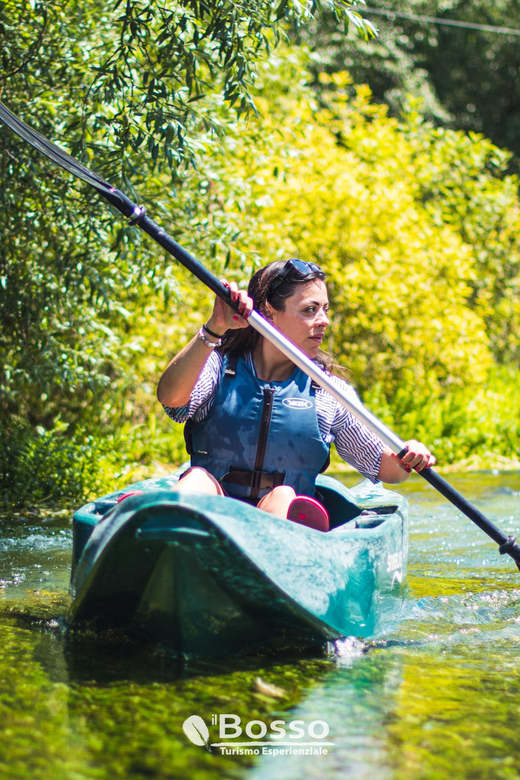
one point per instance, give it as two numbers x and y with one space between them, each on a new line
356 701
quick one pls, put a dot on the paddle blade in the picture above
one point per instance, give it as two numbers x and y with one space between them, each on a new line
52 151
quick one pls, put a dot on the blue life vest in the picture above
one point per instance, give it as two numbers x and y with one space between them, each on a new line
258 435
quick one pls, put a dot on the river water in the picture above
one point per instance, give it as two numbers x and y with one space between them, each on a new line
437 698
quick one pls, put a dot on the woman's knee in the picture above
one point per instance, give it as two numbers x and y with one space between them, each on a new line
283 493
277 500
198 480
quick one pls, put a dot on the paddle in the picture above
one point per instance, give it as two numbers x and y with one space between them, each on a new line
137 217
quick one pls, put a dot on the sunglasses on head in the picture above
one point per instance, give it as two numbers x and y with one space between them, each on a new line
301 267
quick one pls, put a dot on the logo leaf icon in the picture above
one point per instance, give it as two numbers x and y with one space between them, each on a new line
197 731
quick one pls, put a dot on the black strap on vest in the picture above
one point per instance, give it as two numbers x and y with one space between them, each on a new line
326 464
256 480
188 426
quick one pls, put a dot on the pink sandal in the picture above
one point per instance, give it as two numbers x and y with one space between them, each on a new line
307 511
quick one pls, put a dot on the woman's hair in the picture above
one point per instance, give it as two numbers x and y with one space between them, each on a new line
263 290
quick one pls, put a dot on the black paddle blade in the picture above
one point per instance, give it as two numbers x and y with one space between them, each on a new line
52 151
136 214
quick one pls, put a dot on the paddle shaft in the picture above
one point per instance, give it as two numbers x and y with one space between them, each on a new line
137 216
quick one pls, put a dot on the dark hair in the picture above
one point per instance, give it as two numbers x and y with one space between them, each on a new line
259 289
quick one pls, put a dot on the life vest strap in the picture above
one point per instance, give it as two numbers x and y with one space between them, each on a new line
259 480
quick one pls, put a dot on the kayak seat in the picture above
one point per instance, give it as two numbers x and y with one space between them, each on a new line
338 500
371 518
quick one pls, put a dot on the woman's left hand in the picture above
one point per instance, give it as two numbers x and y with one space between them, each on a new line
418 457
394 470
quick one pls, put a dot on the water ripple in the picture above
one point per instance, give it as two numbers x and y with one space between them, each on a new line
61 539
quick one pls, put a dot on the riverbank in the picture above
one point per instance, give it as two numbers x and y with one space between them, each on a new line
487 462
135 472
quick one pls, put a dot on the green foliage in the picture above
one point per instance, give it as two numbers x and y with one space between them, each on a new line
48 465
135 90
461 180
51 466
467 79
417 228
402 241
134 77
467 424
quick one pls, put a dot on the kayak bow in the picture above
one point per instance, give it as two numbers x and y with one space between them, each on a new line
212 576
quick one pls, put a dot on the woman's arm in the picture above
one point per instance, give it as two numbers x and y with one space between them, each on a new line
392 470
177 383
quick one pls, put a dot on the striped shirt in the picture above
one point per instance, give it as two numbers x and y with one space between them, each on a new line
355 443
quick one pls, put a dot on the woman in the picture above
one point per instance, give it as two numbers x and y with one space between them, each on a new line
258 428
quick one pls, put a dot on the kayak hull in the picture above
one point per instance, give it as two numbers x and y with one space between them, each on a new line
208 577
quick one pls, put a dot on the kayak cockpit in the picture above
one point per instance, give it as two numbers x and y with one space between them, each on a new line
341 502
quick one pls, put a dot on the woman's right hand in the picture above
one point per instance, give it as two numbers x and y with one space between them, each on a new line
177 382
223 317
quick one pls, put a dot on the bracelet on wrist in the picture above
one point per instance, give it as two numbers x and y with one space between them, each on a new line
211 344
212 332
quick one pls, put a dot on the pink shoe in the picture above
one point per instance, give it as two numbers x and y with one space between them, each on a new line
130 493
309 512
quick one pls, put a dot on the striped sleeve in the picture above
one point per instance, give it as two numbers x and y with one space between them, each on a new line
355 443
203 393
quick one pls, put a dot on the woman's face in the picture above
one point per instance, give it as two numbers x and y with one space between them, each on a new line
304 319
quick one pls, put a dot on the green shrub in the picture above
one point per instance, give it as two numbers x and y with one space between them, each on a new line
46 466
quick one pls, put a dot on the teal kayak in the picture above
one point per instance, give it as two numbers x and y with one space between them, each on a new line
207 576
